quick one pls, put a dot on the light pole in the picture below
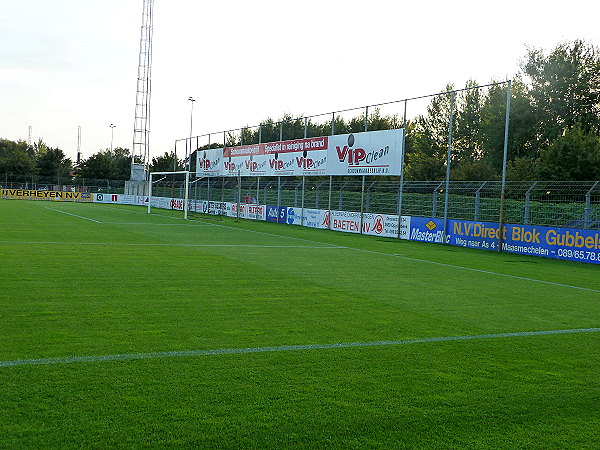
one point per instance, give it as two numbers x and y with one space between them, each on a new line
112 135
189 156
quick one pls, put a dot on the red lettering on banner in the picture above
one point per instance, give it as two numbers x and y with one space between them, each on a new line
276 164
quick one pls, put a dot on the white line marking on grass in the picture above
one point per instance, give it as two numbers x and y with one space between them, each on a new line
487 272
156 244
396 255
283 348
74 215
517 277
160 224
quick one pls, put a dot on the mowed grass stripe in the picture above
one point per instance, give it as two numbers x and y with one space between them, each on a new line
283 348
395 255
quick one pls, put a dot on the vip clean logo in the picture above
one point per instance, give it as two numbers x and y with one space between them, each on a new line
359 156
353 156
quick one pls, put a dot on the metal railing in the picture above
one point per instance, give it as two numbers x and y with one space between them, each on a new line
545 203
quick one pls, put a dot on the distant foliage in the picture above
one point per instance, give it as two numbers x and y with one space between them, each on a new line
554 129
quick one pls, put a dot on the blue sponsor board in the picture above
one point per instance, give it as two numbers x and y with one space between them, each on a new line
276 213
425 229
550 242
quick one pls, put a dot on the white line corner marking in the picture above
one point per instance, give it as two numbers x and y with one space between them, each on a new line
283 348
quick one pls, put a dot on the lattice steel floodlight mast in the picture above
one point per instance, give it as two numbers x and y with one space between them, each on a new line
141 128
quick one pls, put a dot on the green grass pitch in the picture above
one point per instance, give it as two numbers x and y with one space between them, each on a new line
88 280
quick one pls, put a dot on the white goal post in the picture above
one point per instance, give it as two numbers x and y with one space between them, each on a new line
154 175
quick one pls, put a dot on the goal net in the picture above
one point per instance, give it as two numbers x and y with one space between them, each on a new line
169 191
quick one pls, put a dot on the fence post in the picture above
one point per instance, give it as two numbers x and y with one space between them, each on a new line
265 191
278 197
362 207
588 206
477 198
317 190
341 196
239 196
257 190
435 198
368 202
527 197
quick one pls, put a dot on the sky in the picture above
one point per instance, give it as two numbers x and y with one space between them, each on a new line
66 64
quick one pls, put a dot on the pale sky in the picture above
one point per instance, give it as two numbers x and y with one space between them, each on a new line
70 63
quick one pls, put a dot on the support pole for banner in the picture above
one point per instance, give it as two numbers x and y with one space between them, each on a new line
302 209
239 196
257 190
278 198
149 191
366 118
448 159
329 206
504 159
187 195
303 177
401 187
332 123
362 204
331 177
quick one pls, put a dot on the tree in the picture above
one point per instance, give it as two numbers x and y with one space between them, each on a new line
564 88
166 163
54 163
574 156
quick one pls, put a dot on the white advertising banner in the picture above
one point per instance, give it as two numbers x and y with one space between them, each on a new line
209 163
385 225
367 153
345 221
121 199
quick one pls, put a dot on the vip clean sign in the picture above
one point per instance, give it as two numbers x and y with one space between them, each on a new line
369 153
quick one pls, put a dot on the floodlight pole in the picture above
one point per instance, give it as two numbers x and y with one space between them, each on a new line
112 135
191 99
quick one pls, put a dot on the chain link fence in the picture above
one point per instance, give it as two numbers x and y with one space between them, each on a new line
545 203
64 184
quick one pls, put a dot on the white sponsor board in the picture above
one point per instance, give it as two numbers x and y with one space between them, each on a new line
209 163
256 212
166 203
213 208
347 221
385 225
367 153
121 199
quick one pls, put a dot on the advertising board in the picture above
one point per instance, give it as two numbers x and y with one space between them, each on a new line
367 153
